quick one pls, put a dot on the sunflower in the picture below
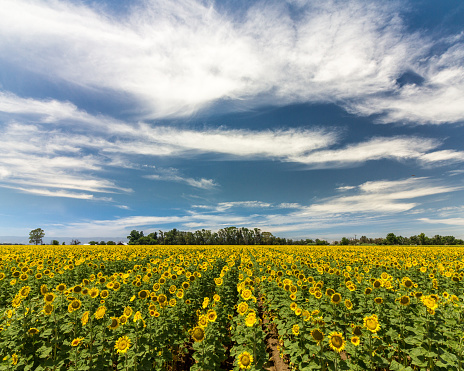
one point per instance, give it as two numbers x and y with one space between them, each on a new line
61 287
329 292
317 335
48 309
404 300
180 294
77 289
376 284
43 289
378 300
198 334
76 304
49 297
104 294
357 330
336 298
296 330
216 298
24 292
93 292
212 315
336 341
246 294
245 360
137 316
76 342
407 282
242 308
85 318
372 323
367 291
123 320
33 331
14 359
250 319
114 323
127 311
218 281
100 312
348 304
429 301
122 344
355 340
162 299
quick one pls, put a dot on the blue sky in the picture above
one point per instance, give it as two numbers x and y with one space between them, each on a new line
302 118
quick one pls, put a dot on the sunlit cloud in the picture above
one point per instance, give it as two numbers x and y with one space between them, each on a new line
179 57
173 175
374 202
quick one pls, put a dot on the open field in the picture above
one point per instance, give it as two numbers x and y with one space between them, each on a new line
220 307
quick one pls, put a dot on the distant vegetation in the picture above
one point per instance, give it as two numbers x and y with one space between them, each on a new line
224 236
245 236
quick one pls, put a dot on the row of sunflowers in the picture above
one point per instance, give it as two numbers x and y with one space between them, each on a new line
215 307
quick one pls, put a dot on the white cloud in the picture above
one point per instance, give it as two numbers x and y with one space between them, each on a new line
439 100
47 147
173 175
448 221
375 203
395 148
177 57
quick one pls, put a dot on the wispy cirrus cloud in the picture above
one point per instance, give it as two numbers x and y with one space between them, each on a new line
178 57
173 175
373 202
438 99
47 144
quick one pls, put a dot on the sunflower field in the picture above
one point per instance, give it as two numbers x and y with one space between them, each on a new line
216 307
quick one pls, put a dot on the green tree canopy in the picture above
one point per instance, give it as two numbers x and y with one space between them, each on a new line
36 235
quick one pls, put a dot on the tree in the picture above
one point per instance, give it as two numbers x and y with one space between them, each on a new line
391 239
344 241
36 235
75 242
55 242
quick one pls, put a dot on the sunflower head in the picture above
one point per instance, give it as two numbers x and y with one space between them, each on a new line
336 341
242 308
250 319
317 335
355 340
33 331
372 323
404 300
127 311
48 309
198 334
336 298
245 360
100 312
76 342
296 330
378 300
85 318
49 297
114 323
122 344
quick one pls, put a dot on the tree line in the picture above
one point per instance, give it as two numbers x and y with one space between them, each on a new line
224 236
392 239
